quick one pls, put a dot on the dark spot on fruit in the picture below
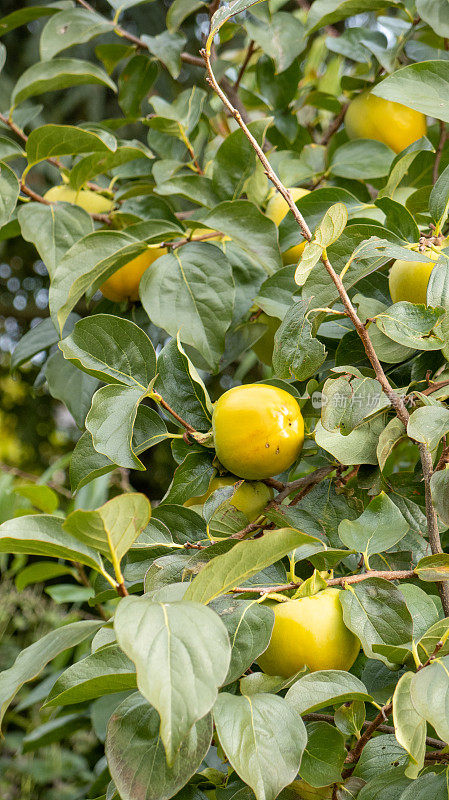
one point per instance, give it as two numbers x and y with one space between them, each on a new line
267 445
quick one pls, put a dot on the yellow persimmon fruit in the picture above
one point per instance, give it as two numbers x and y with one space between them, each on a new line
124 284
408 280
258 430
263 348
250 498
92 202
276 210
372 117
309 632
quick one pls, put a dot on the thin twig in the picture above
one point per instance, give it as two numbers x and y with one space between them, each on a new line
28 476
186 57
159 399
396 401
247 59
85 581
388 575
302 483
354 754
316 717
440 148
334 126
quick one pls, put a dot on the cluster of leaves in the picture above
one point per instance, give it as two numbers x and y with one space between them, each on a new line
171 671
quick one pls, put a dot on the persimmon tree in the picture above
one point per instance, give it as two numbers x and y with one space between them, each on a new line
242 235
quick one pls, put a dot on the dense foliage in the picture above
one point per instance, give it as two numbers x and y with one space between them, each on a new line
231 224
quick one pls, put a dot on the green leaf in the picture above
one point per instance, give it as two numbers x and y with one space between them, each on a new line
412 325
439 487
393 433
191 478
358 447
434 12
43 535
8 148
325 688
103 163
111 349
111 421
41 571
136 757
362 159
235 160
428 425
49 141
72 387
88 263
181 386
398 219
9 192
31 661
53 731
409 727
433 568
246 559
402 164
223 14
386 786
376 611
250 229
192 291
324 755
296 352
87 464
53 229
277 292
430 695
61 73
263 738
281 37
169 640
179 11
25 15
249 625
427 785
167 47
347 402
113 528
326 12
378 757
135 81
433 636
423 87
40 337
439 199
106 671
41 497
378 529
75 26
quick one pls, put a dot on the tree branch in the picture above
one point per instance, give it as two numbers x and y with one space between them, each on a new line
28 476
396 401
247 59
388 575
159 399
316 717
39 199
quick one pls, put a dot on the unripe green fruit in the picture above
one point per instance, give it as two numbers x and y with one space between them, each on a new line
250 498
309 632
